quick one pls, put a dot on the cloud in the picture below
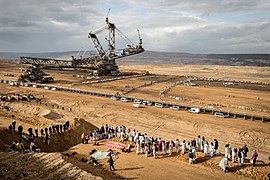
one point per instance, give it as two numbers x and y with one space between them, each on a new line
166 25
206 7
222 38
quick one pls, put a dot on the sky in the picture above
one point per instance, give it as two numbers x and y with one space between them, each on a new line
192 26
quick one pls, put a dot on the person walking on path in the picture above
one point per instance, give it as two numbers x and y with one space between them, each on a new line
110 161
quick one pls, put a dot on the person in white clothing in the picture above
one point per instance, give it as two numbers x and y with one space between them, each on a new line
154 150
206 149
146 150
171 147
122 136
137 147
211 149
142 144
223 164
193 150
183 147
234 154
227 150
163 146
188 147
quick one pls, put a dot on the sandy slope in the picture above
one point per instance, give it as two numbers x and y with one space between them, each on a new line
39 166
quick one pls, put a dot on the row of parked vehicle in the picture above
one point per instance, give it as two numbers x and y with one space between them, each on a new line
138 103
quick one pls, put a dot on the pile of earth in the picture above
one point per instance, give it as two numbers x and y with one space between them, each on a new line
51 163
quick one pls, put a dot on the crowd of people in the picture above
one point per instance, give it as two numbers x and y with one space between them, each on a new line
43 133
237 154
149 146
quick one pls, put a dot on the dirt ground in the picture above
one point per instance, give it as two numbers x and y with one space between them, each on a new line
57 107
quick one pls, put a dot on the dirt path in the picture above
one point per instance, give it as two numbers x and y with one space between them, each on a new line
132 166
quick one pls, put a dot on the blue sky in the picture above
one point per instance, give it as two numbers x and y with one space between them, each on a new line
206 26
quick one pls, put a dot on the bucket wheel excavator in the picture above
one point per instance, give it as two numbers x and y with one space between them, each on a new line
103 62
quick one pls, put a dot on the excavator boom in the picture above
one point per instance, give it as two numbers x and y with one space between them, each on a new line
103 61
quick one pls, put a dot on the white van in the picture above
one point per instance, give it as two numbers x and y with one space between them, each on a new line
114 98
219 114
194 110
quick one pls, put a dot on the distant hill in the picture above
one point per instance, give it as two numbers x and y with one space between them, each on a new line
153 57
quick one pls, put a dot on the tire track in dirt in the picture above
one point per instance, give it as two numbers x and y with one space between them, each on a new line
253 139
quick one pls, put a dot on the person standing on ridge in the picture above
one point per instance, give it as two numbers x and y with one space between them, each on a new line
13 125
